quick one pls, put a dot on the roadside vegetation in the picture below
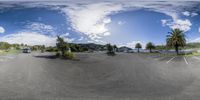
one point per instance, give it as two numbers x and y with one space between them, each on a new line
150 46
111 49
6 48
64 50
138 46
176 39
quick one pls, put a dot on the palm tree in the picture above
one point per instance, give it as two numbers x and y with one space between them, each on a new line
150 46
138 46
176 38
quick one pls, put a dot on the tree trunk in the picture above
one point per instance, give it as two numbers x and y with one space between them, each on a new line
138 50
150 50
176 48
62 52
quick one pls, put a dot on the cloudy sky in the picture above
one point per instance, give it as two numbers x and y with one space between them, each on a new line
121 22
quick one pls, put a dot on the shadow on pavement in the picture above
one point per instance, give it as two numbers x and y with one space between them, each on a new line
47 56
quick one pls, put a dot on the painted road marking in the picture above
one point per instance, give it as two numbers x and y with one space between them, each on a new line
196 58
170 59
185 60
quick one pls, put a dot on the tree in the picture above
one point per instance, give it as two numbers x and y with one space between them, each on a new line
150 46
22 44
110 49
115 48
4 45
16 46
138 46
176 38
42 48
61 45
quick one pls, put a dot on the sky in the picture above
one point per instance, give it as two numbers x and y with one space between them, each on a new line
120 22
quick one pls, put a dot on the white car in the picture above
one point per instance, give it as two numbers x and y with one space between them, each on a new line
26 50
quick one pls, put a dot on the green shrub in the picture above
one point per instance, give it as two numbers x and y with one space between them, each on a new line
110 53
57 54
110 50
51 49
68 55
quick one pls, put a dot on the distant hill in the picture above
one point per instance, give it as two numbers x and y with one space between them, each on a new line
86 47
93 46
124 49
192 45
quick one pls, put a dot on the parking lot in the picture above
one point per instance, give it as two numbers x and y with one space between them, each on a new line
96 76
188 60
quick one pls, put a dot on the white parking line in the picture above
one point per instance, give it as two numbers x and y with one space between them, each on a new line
196 58
170 59
185 60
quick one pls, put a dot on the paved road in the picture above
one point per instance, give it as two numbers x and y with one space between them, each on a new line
99 77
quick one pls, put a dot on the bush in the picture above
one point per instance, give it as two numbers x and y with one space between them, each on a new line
110 50
110 53
68 55
57 54
51 49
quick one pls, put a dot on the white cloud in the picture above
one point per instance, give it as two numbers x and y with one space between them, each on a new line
106 20
92 19
132 44
164 22
40 27
195 40
194 14
69 28
64 35
120 22
199 29
186 13
81 38
34 34
37 26
106 34
184 25
2 30
30 38
68 39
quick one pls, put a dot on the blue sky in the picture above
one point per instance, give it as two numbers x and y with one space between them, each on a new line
117 22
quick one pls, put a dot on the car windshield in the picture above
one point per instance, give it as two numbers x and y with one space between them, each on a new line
99 50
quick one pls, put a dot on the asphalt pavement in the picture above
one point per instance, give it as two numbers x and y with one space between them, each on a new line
96 76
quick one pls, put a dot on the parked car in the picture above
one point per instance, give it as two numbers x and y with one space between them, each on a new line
26 50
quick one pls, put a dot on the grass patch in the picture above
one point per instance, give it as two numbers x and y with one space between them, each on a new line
6 52
66 55
194 54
